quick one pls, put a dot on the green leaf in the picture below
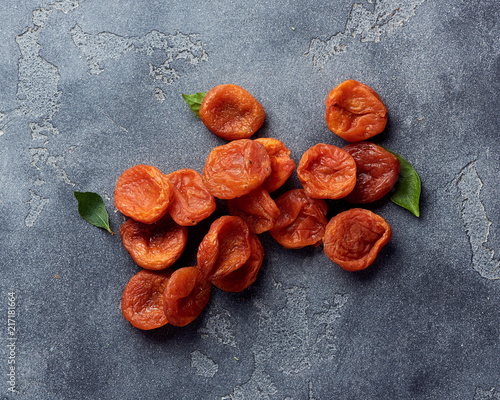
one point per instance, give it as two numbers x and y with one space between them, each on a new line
194 101
91 207
407 188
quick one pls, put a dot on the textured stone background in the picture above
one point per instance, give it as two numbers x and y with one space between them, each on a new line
91 87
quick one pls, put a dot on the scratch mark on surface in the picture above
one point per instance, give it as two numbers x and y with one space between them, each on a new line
102 47
114 122
203 365
367 25
477 225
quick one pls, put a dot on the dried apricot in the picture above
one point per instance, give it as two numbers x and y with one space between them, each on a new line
377 171
186 295
257 208
354 111
191 200
282 165
225 248
245 275
302 220
354 237
327 172
154 246
143 193
236 168
142 300
231 113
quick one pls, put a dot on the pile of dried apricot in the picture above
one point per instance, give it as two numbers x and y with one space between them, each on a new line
245 172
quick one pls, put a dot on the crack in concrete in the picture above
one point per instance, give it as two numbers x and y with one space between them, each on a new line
367 25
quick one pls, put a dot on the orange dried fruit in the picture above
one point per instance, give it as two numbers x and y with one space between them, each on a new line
302 220
245 275
191 201
236 168
143 193
185 296
327 172
231 112
225 248
354 111
154 246
377 171
257 208
354 237
282 165
142 299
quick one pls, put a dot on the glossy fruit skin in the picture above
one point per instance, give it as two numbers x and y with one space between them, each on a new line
236 168
191 201
354 237
327 172
354 111
186 295
154 246
142 299
225 248
377 171
302 220
282 166
257 208
231 112
143 193
245 275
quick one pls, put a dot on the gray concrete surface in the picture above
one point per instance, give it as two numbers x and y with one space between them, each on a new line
90 88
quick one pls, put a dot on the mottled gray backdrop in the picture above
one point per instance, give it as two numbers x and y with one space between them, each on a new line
92 87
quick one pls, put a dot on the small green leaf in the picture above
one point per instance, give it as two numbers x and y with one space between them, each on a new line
194 101
91 207
407 189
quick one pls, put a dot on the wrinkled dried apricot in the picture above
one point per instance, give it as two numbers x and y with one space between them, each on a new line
231 113
236 168
354 111
225 248
257 208
302 220
282 165
327 172
154 246
143 193
354 237
191 201
186 295
142 299
245 275
377 171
